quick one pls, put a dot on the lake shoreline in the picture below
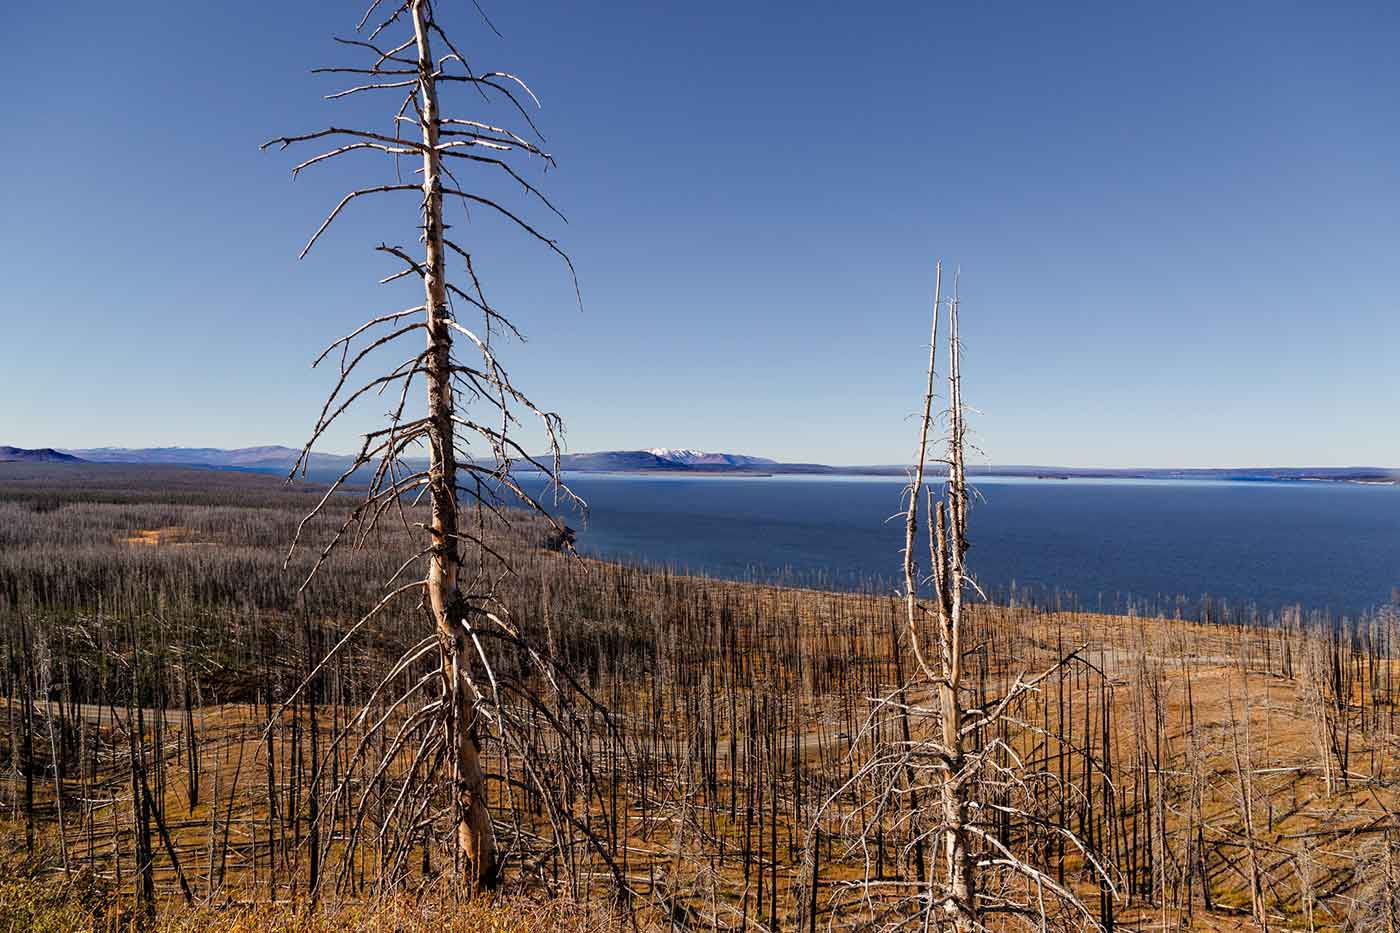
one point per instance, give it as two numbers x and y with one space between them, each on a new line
1107 544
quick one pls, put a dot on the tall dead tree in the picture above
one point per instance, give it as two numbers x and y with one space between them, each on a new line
472 410
950 580
953 749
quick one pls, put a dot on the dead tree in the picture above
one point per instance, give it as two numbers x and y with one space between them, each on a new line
472 410
958 752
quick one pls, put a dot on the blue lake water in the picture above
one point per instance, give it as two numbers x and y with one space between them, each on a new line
1094 543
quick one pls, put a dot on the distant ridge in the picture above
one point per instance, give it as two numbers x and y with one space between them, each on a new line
617 461
666 460
203 456
39 455
268 459
690 457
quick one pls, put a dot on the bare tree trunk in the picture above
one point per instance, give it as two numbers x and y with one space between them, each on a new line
911 582
911 518
1244 770
471 816
960 903
957 895
463 606
963 751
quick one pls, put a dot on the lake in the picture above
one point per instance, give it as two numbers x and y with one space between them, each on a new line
1106 544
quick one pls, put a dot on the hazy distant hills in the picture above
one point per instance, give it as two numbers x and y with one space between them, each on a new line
205 456
41 455
663 460
280 459
271 459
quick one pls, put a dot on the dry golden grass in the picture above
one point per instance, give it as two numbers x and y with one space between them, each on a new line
1183 692
1214 690
173 536
35 897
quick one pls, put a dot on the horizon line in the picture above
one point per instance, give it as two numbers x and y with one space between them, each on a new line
866 465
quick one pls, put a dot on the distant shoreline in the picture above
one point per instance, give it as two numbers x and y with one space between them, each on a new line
1359 478
323 467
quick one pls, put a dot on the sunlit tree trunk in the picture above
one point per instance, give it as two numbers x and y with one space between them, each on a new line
471 816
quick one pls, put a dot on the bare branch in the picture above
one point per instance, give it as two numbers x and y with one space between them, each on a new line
341 206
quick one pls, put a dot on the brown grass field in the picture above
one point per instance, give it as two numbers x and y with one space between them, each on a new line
711 767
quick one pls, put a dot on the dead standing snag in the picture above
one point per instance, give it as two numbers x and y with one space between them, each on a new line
470 404
948 746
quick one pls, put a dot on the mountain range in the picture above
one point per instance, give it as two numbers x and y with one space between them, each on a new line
271 459
278 459
703 458
40 455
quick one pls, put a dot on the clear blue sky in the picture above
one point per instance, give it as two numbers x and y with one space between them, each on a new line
1179 225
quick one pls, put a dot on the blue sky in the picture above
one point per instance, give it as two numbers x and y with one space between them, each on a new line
1177 225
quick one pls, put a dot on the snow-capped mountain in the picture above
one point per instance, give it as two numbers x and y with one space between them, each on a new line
691 457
